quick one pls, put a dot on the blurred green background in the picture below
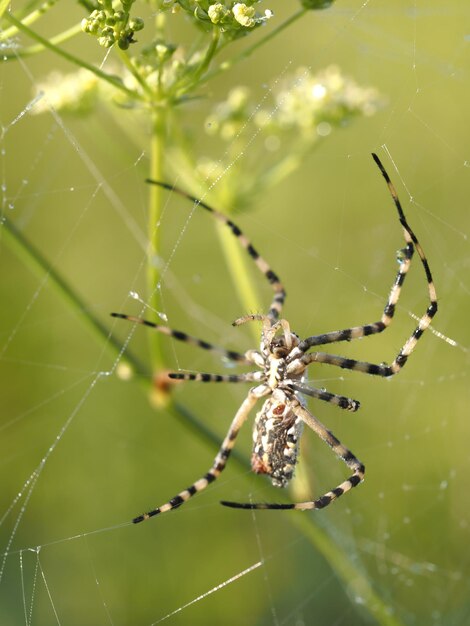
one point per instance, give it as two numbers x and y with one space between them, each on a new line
395 550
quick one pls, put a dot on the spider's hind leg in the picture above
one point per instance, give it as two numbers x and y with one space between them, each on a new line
218 466
341 451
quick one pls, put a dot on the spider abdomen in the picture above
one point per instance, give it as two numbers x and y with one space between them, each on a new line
276 435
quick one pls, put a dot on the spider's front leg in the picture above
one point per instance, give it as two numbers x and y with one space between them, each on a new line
218 466
179 335
279 292
405 257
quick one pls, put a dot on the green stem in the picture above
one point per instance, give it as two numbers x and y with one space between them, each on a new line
31 256
284 168
356 584
30 50
28 19
115 82
180 413
226 65
237 263
38 264
209 55
155 202
131 69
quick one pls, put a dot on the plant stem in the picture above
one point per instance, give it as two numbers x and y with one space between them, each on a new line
29 19
226 65
356 583
237 263
123 55
154 211
31 256
115 82
209 55
30 50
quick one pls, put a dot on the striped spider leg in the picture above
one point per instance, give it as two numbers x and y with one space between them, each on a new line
283 359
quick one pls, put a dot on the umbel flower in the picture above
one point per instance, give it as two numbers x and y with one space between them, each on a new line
76 93
304 109
294 117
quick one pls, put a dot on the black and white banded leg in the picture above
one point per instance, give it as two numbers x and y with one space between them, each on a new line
273 279
342 402
217 468
230 355
356 332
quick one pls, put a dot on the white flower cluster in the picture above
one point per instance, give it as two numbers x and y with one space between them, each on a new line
306 103
306 100
305 108
75 93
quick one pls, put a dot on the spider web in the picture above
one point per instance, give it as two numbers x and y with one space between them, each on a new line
82 451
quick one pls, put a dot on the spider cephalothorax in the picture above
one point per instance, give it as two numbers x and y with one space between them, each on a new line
282 361
277 343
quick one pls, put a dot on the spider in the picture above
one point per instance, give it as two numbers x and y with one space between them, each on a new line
283 359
